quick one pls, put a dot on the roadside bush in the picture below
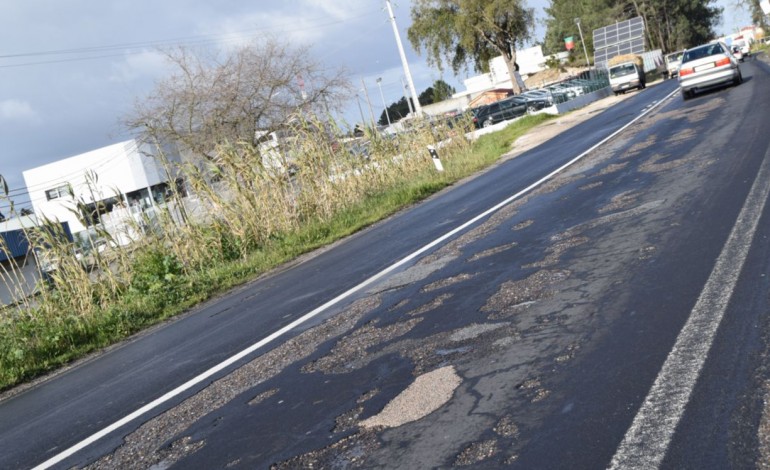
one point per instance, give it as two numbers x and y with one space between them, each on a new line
158 274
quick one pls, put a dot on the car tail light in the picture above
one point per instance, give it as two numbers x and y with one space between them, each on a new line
722 61
683 72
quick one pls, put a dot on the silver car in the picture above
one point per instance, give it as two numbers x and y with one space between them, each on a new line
707 66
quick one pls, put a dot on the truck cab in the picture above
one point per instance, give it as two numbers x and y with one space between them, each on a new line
626 72
673 61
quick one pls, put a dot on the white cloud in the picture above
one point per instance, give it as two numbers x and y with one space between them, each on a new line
18 111
338 9
135 66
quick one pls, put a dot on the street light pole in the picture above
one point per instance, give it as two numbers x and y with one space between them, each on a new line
379 85
582 41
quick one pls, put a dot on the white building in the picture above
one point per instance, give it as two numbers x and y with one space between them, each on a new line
530 60
117 177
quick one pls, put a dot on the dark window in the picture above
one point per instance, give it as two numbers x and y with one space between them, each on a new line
57 192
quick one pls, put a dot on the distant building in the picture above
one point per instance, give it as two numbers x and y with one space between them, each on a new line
530 61
14 243
120 176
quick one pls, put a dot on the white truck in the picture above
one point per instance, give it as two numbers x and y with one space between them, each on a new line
626 72
673 61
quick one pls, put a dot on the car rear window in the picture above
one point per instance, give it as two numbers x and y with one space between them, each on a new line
701 52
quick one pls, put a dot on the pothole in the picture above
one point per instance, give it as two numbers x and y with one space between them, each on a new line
428 392
555 252
492 251
523 225
620 201
432 305
350 452
513 297
352 350
447 282
477 452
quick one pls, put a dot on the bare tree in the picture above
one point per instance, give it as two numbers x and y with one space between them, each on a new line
211 99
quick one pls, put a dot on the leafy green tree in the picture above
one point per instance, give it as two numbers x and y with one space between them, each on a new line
669 24
459 32
439 91
397 111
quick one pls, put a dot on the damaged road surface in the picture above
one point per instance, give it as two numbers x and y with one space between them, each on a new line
530 339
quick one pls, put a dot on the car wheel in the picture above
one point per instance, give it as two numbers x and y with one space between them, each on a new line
686 95
531 109
487 123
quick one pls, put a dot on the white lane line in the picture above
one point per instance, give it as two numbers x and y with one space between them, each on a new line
647 440
254 347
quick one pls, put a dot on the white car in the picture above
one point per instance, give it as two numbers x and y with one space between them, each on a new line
707 66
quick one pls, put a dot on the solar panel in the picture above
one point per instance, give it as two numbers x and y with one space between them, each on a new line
626 37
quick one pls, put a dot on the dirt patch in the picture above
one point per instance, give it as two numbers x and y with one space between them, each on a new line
425 395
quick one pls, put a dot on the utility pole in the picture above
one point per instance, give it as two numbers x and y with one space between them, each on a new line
369 102
417 108
379 85
406 96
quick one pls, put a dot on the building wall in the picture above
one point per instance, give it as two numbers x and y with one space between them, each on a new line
117 169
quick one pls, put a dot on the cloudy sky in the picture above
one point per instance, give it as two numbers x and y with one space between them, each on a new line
69 70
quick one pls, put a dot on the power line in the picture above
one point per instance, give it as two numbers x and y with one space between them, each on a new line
141 47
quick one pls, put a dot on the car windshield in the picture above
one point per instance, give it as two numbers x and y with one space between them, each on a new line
622 70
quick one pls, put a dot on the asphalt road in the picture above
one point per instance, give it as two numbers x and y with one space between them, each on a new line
536 333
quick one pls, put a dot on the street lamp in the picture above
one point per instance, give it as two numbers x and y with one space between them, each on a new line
582 41
379 85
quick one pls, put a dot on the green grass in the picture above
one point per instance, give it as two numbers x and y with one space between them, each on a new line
34 344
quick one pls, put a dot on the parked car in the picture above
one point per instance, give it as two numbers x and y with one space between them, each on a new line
707 66
503 110
537 100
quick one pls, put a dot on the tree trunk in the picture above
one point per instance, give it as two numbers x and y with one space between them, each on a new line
510 60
